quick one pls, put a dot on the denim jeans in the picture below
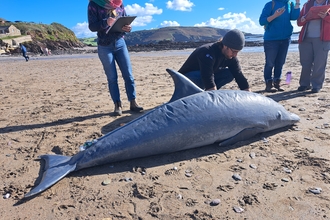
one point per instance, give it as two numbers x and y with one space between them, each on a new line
109 55
275 55
221 78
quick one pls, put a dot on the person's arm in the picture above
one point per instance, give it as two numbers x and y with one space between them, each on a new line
327 17
206 63
301 21
295 11
266 15
94 22
235 69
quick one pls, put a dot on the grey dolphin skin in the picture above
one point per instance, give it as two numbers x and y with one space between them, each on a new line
193 118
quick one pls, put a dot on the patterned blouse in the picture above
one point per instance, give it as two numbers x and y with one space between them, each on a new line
97 19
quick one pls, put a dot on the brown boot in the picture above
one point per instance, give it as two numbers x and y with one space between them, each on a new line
269 86
135 107
118 109
277 85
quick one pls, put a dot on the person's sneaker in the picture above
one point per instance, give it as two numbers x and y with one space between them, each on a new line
304 88
314 90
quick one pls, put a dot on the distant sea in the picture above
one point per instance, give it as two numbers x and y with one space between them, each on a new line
254 38
259 38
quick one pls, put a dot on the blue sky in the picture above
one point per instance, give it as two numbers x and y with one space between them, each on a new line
226 14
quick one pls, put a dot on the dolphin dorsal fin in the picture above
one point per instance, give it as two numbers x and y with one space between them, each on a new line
182 86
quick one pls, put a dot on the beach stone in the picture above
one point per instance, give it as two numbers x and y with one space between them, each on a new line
309 139
238 209
264 140
253 166
315 190
106 182
287 170
237 177
252 155
215 202
6 196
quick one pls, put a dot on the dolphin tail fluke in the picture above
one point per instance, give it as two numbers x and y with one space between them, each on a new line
56 167
182 85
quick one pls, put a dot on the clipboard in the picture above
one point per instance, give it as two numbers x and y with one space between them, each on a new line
313 11
120 22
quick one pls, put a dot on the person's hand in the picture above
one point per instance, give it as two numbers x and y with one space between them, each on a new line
110 21
322 14
127 28
303 19
279 11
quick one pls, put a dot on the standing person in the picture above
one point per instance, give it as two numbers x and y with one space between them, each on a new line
112 49
213 65
276 17
23 50
314 46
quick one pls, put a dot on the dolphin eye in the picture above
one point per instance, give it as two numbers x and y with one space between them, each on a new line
279 115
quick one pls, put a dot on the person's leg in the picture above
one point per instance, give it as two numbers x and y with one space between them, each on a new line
280 61
105 54
282 52
270 49
320 61
124 63
222 77
195 77
306 56
24 55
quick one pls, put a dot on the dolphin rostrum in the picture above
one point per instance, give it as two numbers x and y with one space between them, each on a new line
193 118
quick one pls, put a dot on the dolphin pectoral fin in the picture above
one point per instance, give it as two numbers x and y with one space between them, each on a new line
243 135
182 86
56 167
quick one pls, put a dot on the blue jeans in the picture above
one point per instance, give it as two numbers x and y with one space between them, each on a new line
111 54
275 55
221 78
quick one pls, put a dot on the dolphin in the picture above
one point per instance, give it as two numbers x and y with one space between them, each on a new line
192 118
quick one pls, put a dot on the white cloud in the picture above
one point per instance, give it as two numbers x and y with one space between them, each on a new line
81 30
169 24
138 10
142 21
233 20
180 5
144 13
221 9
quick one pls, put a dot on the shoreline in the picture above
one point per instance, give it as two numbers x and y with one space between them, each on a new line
87 54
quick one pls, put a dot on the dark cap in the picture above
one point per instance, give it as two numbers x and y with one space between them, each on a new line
234 39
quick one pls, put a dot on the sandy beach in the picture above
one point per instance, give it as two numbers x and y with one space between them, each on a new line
53 106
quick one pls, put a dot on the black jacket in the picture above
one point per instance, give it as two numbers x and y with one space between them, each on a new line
208 59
